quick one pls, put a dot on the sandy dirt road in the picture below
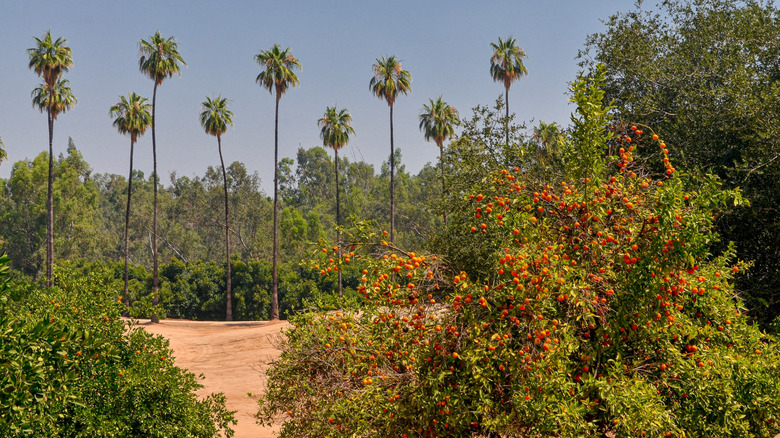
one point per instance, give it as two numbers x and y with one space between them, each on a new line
232 356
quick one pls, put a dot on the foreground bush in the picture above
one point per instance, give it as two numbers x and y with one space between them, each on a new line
604 315
70 367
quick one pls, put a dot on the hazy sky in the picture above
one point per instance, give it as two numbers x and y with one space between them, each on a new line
445 45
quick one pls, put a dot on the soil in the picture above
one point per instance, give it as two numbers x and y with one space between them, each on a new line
231 356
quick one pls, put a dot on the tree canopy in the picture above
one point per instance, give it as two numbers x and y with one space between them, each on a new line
703 74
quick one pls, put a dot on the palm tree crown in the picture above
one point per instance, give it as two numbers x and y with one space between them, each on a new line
159 58
215 116
547 135
50 58
132 115
438 121
278 72
506 64
57 99
336 127
390 79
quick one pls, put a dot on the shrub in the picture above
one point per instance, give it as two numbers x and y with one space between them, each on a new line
603 315
72 367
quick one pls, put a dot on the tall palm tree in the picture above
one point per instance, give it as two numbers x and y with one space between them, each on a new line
54 101
336 126
277 76
389 80
50 59
215 119
437 122
131 116
159 59
506 65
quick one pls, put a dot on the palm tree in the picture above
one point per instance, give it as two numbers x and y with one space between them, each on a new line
389 80
3 153
54 101
506 65
336 127
159 59
215 119
437 122
131 116
277 75
548 137
50 59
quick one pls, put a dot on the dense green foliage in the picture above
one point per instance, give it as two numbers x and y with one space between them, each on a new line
90 226
704 74
596 309
71 367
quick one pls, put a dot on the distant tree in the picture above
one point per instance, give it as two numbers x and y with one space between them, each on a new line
389 80
131 116
278 76
547 138
336 127
3 153
159 59
506 66
50 59
215 119
437 122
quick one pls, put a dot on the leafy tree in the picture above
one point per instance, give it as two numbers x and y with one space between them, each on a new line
215 119
438 121
389 80
704 74
506 66
159 59
336 127
131 116
50 59
24 215
278 76
78 227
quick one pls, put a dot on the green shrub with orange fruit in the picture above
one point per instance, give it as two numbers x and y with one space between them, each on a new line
71 367
603 315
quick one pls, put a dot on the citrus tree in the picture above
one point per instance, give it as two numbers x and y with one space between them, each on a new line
604 315
73 368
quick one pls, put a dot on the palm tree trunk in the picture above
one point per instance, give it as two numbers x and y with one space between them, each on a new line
50 206
338 220
443 186
506 102
229 305
126 297
275 283
392 180
155 298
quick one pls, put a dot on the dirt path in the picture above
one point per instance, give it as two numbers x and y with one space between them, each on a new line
231 355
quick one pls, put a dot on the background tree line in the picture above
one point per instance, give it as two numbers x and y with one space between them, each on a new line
89 224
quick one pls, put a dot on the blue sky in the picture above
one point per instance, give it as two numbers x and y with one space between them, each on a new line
445 45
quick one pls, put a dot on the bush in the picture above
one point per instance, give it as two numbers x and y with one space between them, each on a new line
603 315
73 368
